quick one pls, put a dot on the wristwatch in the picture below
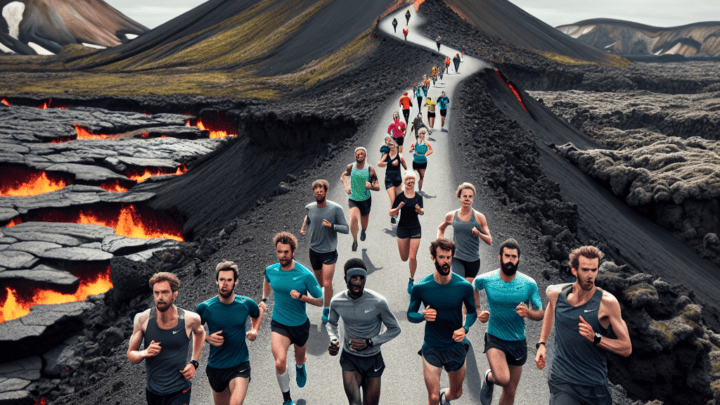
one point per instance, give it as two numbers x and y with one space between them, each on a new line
598 336
537 345
369 342
195 364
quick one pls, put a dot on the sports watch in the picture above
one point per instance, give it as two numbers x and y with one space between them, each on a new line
195 364
537 345
598 336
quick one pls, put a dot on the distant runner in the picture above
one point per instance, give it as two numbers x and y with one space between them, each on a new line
442 103
584 313
462 54
456 62
417 125
420 150
385 148
444 293
434 74
363 312
442 72
405 33
393 178
425 85
407 17
437 42
447 64
359 178
510 295
225 314
430 113
395 24
291 282
408 230
325 219
165 332
417 92
398 129
405 102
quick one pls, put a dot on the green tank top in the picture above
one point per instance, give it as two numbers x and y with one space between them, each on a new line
358 178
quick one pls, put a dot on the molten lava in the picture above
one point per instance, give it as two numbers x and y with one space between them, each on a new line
417 4
218 126
83 133
127 220
18 303
140 177
5 102
114 187
512 87
18 181
13 222
47 105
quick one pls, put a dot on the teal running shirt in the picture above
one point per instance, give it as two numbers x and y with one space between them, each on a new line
289 311
502 299
358 178
230 318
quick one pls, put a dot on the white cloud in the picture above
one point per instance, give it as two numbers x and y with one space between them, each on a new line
13 14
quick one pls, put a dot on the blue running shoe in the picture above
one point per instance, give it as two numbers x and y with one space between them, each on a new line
410 285
487 390
326 312
289 402
300 376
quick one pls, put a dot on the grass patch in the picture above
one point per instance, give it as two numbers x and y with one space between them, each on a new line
613 60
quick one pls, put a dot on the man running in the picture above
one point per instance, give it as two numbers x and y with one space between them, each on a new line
405 102
447 64
583 313
437 42
456 62
407 17
228 368
442 103
165 332
326 219
395 24
431 112
363 313
417 125
359 178
509 296
291 282
443 294
417 93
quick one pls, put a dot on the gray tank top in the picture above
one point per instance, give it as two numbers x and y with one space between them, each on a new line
467 245
577 360
163 370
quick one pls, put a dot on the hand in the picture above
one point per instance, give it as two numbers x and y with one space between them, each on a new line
347 190
586 330
402 204
368 185
417 208
475 231
153 350
429 314
326 223
188 372
358 345
483 316
522 310
252 335
296 295
540 357
334 348
302 231
215 339
262 306
459 335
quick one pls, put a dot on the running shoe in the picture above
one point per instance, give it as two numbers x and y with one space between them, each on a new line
326 312
362 235
354 246
487 390
442 398
289 402
301 376
410 285
393 220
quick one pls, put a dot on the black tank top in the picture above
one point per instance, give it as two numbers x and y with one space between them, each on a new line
390 167
163 370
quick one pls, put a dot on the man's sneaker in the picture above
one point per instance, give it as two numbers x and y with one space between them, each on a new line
411 282
362 235
442 398
289 402
354 246
487 390
393 220
301 376
326 312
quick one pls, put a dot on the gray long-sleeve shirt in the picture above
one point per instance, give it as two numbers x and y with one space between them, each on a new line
322 238
362 319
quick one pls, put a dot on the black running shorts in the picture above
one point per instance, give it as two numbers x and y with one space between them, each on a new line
368 367
431 114
562 393
400 140
298 335
414 232
465 268
515 352
452 359
363 206
220 378
318 259
176 398
419 166
443 113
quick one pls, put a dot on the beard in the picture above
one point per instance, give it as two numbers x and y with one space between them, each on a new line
163 306
587 286
319 201
351 290
285 262
444 270
509 268
226 295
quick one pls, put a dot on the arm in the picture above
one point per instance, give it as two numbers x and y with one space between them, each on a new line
552 293
621 345
344 176
445 224
198 333
306 222
340 225
382 163
402 161
267 289
397 205
429 151
484 233
413 315
315 298
469 301
375 186
332 325
134 355
392 328
419 207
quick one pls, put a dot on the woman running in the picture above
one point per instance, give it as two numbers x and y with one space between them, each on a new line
417 92
410 204
431 113
393 179
417 124
421 150
398 129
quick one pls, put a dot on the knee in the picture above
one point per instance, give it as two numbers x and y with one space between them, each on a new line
434 398
280 366
327 282
502 380
455 393
413 257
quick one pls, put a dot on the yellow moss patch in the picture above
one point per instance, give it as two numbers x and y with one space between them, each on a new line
614 60
662 327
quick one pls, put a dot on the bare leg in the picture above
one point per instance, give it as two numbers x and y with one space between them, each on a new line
499 371
328 271
372 391
221 398
319 276
354 219
456 379
364 221
279 345
238 388
421 172
352 381
404 248
442 121
391 194
508 394
414 245
432 382
300 354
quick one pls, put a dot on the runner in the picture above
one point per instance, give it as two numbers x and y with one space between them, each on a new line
291 282
444 293
442 72
359 180
420 150
578 374
167 373
228 368
405 103
363 313
405 32
417 92
437 42
395 24
393 179
456 62
407 17
426 85
417 124
447 64
462 54
326 219
385 148
442 103
408 231
398 129
434 72
431 113
509 296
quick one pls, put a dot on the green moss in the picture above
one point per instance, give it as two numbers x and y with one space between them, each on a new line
665 329
613 60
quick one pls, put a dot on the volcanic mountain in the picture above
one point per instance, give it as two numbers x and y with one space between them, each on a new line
630 38
43 27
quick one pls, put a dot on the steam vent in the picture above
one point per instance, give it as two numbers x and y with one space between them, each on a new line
70 202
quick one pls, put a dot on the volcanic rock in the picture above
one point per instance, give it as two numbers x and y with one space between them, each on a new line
16 260
129 279
13 384
41 274
86 232
86 172
55 238
35 248
76 254
26 369
66 355
21 397
121 245
147 254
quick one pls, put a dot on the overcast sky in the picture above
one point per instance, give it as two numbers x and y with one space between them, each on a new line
660 13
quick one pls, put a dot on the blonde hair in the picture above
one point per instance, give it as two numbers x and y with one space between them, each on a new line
226 266
465 186
409 173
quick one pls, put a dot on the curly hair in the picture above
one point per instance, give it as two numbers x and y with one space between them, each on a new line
465 186
321 183
165 276
589 252
442 243
286 238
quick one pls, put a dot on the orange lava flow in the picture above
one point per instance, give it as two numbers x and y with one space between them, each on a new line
22 182
13 222
5 102
213 133
47 105
140 177
513 88
83 133
114 187
130 224
15 306
417 4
